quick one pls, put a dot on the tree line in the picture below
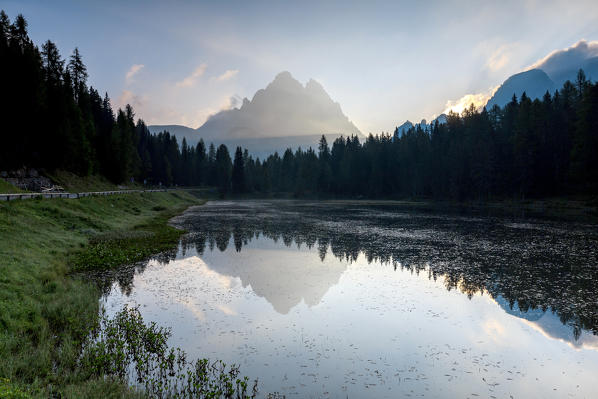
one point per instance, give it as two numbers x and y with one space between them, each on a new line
529 148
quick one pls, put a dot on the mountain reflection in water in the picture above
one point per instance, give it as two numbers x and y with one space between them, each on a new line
337 299
534 267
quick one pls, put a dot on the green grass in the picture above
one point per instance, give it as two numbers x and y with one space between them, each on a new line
117 247
77 184
45 311
7 188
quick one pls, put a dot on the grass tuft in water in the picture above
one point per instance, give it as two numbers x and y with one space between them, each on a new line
125 348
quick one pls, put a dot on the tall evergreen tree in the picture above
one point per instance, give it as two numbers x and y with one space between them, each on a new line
78 72
222 169
238 173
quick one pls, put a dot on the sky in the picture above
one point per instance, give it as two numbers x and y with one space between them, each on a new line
178 62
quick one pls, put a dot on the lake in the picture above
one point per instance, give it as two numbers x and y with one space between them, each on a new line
354 299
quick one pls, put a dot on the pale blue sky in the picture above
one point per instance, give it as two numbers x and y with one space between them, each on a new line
384 62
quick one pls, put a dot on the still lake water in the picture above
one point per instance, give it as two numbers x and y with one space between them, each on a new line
350 299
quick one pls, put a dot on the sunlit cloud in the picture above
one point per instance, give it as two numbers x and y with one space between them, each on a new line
190 80
133 71
229 74
478 100
499 58
567 57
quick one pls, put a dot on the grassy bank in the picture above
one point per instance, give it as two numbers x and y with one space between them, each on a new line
46 312
7 188
77 184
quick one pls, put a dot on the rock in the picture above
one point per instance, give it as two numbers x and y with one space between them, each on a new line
29 180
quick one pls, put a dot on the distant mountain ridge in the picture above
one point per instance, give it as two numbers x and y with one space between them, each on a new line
548 74
284 114
402 129
536 82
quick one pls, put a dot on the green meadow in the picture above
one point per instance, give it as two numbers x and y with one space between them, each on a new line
46 309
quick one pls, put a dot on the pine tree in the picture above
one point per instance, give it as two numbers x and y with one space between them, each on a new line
223 168
78 72
238 173
53 64
201 163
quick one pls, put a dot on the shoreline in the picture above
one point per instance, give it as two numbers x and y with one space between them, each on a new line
565 208
46 307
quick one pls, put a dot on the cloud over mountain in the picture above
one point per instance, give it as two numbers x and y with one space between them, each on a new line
550 72
547 74
568 58
478 100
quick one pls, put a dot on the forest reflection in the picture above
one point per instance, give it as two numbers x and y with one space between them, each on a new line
526 267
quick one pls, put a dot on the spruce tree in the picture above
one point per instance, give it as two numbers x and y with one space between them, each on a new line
238 173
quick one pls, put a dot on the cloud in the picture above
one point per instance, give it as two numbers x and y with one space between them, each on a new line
202 115
478 100
567 58
128 97
499 57
133 71
190 80
233 102
229 74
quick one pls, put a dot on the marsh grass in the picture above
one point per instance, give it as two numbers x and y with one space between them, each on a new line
115 248
125 348
46 311
8 390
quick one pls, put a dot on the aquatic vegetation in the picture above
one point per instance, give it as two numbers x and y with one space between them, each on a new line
10 391
126 348
529 262
117 248
323 299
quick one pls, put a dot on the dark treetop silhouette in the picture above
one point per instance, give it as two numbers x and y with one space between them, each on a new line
53 120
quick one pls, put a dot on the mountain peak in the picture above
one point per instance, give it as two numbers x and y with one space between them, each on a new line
284 75
534 83
549 74
284 108
314 85
285 81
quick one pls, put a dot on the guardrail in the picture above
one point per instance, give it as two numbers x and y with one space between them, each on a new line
24 196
